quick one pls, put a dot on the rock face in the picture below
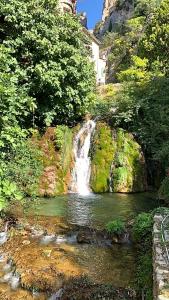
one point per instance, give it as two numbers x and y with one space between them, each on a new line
56 162
108 5
115 12
128 173
118 163
103 153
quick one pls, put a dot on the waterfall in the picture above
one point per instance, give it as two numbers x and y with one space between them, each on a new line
82 169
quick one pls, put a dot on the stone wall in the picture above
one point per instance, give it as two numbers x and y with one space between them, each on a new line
160 261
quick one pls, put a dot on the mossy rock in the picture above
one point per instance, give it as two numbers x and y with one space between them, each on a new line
117 161
56 161
128 172
102 155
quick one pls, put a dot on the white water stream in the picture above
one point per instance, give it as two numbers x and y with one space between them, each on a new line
82 169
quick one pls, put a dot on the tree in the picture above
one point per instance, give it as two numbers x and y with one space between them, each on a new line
155 44
15 104
50 52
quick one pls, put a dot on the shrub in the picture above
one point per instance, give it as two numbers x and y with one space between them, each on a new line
24 168
142 226
116 227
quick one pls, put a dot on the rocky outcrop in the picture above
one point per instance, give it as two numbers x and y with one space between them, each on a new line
117 162
115 13
128 171
56 161
103 153
108 5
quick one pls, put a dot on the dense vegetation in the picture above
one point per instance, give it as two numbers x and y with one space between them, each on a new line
139 101
45 79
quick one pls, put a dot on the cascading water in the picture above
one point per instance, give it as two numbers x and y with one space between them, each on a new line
82 169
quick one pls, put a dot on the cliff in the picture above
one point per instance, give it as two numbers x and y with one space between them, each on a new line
115 13
108 6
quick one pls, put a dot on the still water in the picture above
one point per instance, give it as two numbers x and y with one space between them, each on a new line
95 209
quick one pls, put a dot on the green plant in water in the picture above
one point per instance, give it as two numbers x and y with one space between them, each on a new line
116 226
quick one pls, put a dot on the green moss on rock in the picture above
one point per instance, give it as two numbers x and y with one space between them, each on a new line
128 172
117 161
56 146
103 152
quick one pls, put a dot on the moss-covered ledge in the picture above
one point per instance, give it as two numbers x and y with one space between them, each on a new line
102 154
117 161
128 168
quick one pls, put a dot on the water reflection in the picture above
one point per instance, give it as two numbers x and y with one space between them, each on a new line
79 209
94 209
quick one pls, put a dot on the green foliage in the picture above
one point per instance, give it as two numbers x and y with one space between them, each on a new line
105 104
116 227
117 161
19 174
66 148
15 104
144 7
125 38
142 233
137 72
25 167
56 147
53 63
64 143
60 135
128 172
155 43
9 191
142 226
145 275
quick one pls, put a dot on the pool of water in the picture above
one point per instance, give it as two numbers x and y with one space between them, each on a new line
94 210
115 264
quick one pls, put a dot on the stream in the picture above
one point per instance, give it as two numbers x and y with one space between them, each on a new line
115 264
103 263
57 248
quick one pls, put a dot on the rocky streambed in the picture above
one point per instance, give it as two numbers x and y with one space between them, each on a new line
47 258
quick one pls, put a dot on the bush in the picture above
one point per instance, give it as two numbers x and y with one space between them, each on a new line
22 170
53 63
142 225
116 227
60 133
142 233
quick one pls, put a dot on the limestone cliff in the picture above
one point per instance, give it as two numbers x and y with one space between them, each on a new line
115 13
108 5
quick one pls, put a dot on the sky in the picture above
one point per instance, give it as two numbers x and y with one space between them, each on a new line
93 8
